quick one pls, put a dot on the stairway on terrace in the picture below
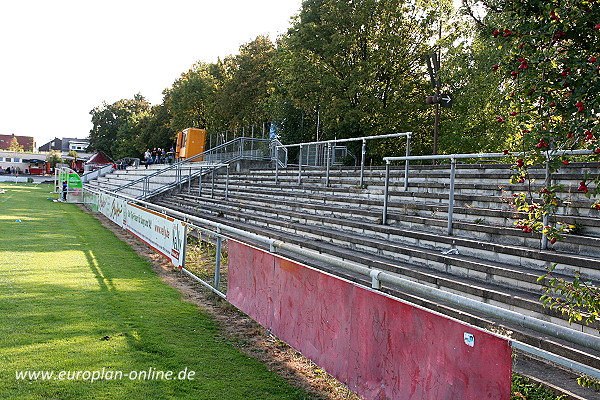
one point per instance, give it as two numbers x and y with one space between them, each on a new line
121 177
486 258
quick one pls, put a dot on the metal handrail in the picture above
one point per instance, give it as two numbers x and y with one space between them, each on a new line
180 182
97 173
453 158
238 154
332 142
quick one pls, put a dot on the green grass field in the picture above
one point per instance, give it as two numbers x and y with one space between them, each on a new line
73 297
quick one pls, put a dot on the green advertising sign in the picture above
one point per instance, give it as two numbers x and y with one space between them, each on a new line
74 181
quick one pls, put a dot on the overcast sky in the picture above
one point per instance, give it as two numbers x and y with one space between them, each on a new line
59 59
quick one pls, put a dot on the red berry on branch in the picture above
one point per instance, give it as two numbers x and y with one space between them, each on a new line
500 119
565 162
496 32
506 33
505 151
592 59
513 113
597 151
597 26
589 135
495 67
553 240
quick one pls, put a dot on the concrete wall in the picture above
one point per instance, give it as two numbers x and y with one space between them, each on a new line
380 347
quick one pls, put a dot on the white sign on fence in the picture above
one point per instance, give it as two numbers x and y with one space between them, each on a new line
113 208
165 234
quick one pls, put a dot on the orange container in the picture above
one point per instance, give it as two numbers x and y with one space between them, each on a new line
190 142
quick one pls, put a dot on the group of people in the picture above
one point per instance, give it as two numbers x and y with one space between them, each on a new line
13 170
158 156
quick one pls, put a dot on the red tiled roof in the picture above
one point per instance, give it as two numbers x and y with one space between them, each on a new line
26 141
99 158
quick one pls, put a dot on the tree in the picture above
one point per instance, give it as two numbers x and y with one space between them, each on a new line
108 119
551 81
73 153
15 146
189 97
358 66
54 157
551 84
468 54
244 84
144 130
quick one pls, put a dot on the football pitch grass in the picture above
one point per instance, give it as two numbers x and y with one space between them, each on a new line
82 316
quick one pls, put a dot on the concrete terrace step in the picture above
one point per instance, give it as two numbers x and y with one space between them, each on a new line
518 255
517 299
478 230
468 195
475 193
119 178
468 222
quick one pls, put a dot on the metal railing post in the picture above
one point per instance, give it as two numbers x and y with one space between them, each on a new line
451 195
218 260
200 182
545 220
227 184
276 164
386 193
328 163
300 166
212 186
406 162
362 162
190 180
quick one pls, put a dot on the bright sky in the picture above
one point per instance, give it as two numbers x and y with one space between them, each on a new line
59 59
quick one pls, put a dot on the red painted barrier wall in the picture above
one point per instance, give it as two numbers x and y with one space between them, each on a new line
380 347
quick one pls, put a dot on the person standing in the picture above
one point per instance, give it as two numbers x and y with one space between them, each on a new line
147 158
65 188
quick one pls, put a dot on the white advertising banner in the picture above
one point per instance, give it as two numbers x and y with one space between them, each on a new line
113 208
165 234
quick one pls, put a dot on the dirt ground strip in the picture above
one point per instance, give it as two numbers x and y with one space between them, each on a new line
247 335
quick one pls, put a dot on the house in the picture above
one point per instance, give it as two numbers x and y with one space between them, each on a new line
23 163
65 145
26 142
